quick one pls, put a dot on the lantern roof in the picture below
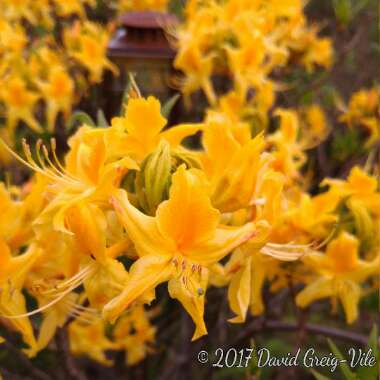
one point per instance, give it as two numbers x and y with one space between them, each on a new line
143 35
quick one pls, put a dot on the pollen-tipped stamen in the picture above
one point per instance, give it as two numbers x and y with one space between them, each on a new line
72 281
53 145
284 252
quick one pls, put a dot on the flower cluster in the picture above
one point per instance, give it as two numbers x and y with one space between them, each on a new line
49 54
132 207
364 111
248 41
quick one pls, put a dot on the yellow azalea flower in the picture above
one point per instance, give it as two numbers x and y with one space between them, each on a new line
20 102
319 52
134 334
362 105
339 273
2 340
288 153
13 271
360 187
314 215
252 111
233 163
245 63
91 150
57 92
315 128
177 245
88 45
198 69
89 339
140 130
363 110
87 175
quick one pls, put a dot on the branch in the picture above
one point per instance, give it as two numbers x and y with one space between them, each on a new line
11 376
24 361
260 326
72 370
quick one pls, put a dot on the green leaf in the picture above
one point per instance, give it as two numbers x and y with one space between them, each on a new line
343 11
346 144
373 341
371 373
253 364
319 376
101 119
168 106
343 366
80 117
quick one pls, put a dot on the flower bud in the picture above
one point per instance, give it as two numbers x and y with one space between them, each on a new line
153 180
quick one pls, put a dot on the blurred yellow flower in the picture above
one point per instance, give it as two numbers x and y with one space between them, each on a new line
89 339
339 273
20 103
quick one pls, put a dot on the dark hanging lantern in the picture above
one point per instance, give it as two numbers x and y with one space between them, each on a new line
140 46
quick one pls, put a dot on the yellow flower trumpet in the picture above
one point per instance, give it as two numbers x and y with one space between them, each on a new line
178 245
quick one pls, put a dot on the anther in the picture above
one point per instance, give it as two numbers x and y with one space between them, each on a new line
53 143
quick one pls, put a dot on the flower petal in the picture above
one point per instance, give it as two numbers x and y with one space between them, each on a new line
225 240
145 274
349 293
239 292
88 224
12 303
190 291
321 288
144 118
141 229
176 134
259 273
187 217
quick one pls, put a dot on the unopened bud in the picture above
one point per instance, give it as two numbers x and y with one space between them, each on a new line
152 182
